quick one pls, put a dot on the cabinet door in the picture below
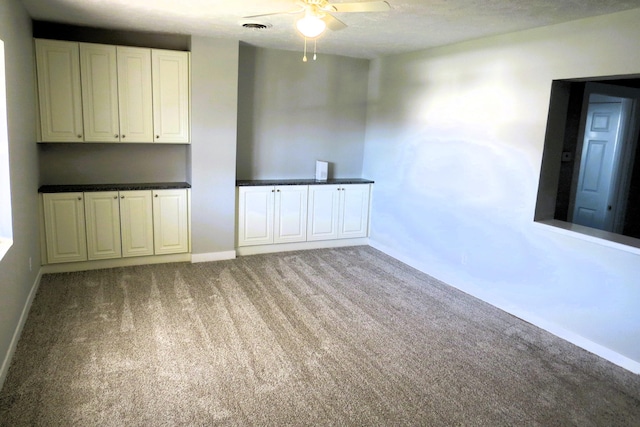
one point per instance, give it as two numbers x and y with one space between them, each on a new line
255 215
324 203
99 92
64 227
58 70
354 211
170 70
136 223
102 214
290 214
134 94
170 222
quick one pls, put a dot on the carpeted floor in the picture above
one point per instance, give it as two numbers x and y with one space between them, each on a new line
326 337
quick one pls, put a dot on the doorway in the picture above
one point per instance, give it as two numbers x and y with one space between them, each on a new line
608 135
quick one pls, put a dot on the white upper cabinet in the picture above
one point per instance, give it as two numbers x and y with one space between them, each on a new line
102 93
99 92
59 98
135 94
170 71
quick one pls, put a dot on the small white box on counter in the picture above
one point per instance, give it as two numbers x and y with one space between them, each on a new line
322 170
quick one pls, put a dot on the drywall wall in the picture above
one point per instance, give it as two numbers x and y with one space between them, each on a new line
89 163
292 113
214 100
454 142
17 280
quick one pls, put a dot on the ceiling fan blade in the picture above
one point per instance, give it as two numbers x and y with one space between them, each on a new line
285 12
364 6
333 23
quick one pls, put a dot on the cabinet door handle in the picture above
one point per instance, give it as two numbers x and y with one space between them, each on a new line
79 136
79 198
157 136
155 195
115 197
124 136
273 191
278 191
122 197
115 136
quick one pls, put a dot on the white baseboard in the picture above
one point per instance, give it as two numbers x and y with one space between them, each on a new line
575 339
4 369
300 246
213 256
113 263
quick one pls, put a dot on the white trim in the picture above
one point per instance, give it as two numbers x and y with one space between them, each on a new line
604 238
301 246
590 346
18 331
5 245
213 256
115 262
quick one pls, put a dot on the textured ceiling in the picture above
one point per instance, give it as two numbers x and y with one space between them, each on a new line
410 24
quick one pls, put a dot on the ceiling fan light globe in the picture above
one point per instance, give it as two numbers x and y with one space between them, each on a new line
311 26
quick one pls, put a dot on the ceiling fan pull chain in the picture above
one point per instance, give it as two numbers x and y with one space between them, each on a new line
315 45
304 58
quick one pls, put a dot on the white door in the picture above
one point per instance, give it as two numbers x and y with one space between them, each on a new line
99 92
354 211
58 70
64 227
170 70
102 214
134 94
255 215
136 223
170 222
324 204
290 214
596 181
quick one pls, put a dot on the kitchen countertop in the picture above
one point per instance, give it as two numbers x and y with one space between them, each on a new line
267 182
81 188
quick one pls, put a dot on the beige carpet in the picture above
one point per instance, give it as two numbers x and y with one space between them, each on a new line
326 337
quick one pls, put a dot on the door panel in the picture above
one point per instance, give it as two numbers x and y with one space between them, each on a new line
596 181
290 214
136 213
99 92
324 204
103 225
134 94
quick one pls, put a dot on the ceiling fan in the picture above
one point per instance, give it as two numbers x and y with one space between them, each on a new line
318 15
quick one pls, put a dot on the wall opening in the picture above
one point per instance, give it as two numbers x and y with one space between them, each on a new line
6 223
590 175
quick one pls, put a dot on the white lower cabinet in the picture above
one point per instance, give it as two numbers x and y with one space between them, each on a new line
272 214
110 224
338 211
136 222
102 215
64 227
301 213
170 222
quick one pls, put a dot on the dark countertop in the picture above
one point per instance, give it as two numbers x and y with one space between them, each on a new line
81 188
267 182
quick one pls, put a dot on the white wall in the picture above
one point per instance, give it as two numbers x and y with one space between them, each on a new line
454 142
16 280
292 113
214 107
